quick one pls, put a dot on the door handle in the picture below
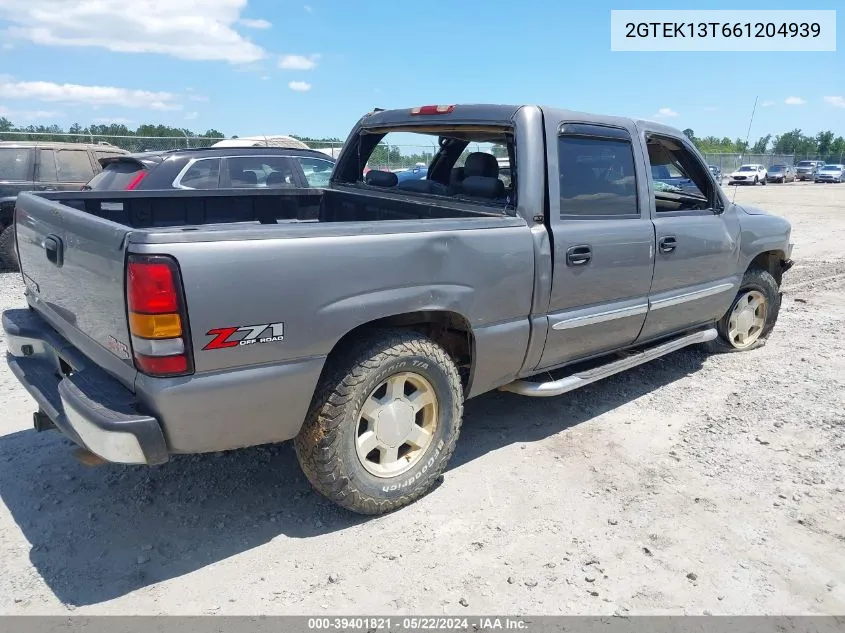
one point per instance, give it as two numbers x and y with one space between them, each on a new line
53 249
579 255
667 244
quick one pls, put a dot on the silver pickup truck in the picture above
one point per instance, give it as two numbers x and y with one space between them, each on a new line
357 318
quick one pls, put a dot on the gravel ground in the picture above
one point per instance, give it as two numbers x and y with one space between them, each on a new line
695 484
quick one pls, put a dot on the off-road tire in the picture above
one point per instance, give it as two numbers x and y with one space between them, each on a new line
754 279
8 256
326 446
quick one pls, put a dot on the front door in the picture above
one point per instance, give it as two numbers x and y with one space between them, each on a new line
603 241
696 270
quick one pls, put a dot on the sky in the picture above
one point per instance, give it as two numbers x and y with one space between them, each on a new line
313 67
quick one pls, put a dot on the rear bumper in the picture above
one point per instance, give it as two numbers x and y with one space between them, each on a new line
84 402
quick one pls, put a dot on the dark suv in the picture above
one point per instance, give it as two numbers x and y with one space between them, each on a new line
42 166
215 168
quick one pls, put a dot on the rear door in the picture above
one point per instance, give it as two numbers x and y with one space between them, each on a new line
603 240
697 256
73 266
63 169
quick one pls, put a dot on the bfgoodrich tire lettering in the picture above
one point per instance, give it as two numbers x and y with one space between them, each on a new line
326 445
755 283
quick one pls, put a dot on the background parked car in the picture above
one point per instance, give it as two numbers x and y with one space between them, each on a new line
670 179
806 169
414 173
781 173
830 173
215 168
42 166
716 171
749 174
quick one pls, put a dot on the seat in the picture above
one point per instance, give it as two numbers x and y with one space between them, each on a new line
244 179
378 178
279 179
481 177
424 186
481 164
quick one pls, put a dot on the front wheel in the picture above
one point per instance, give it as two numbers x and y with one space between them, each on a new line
752 315
764 181
383 423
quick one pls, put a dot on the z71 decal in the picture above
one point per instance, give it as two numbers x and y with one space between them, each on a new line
225 337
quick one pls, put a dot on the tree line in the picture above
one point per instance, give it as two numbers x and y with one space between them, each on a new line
824 145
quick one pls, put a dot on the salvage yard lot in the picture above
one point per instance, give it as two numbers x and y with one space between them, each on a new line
692 484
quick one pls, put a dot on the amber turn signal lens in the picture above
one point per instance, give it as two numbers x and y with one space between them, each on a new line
155 325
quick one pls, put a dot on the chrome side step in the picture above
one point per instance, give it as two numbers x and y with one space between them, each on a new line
570 383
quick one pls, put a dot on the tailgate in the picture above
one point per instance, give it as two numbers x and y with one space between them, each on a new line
73 266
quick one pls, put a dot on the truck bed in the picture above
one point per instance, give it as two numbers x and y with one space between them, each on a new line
189 208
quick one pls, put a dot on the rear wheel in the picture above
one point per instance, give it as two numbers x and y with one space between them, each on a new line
752 315
383 423
8 255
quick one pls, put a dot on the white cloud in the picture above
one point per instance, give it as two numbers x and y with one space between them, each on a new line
838 102
115 120
298 62
665 113
794 101
187 29
190 116
88 95
299 86
255 24
767 104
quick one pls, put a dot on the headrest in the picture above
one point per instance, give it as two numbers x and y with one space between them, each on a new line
277 178
378 178
247 177
481 187
481 164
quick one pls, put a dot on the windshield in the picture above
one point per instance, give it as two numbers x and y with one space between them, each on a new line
748 168
14 163
805 163
832 168
777 168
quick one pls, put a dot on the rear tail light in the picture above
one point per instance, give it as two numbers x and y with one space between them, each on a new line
137 180
157 320
433 109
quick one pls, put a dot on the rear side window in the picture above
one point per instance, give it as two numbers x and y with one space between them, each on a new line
203 174
47 166
116 176
261 171
597 177
74 165
317 171
14 163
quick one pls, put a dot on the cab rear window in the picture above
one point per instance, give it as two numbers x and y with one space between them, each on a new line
116 176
